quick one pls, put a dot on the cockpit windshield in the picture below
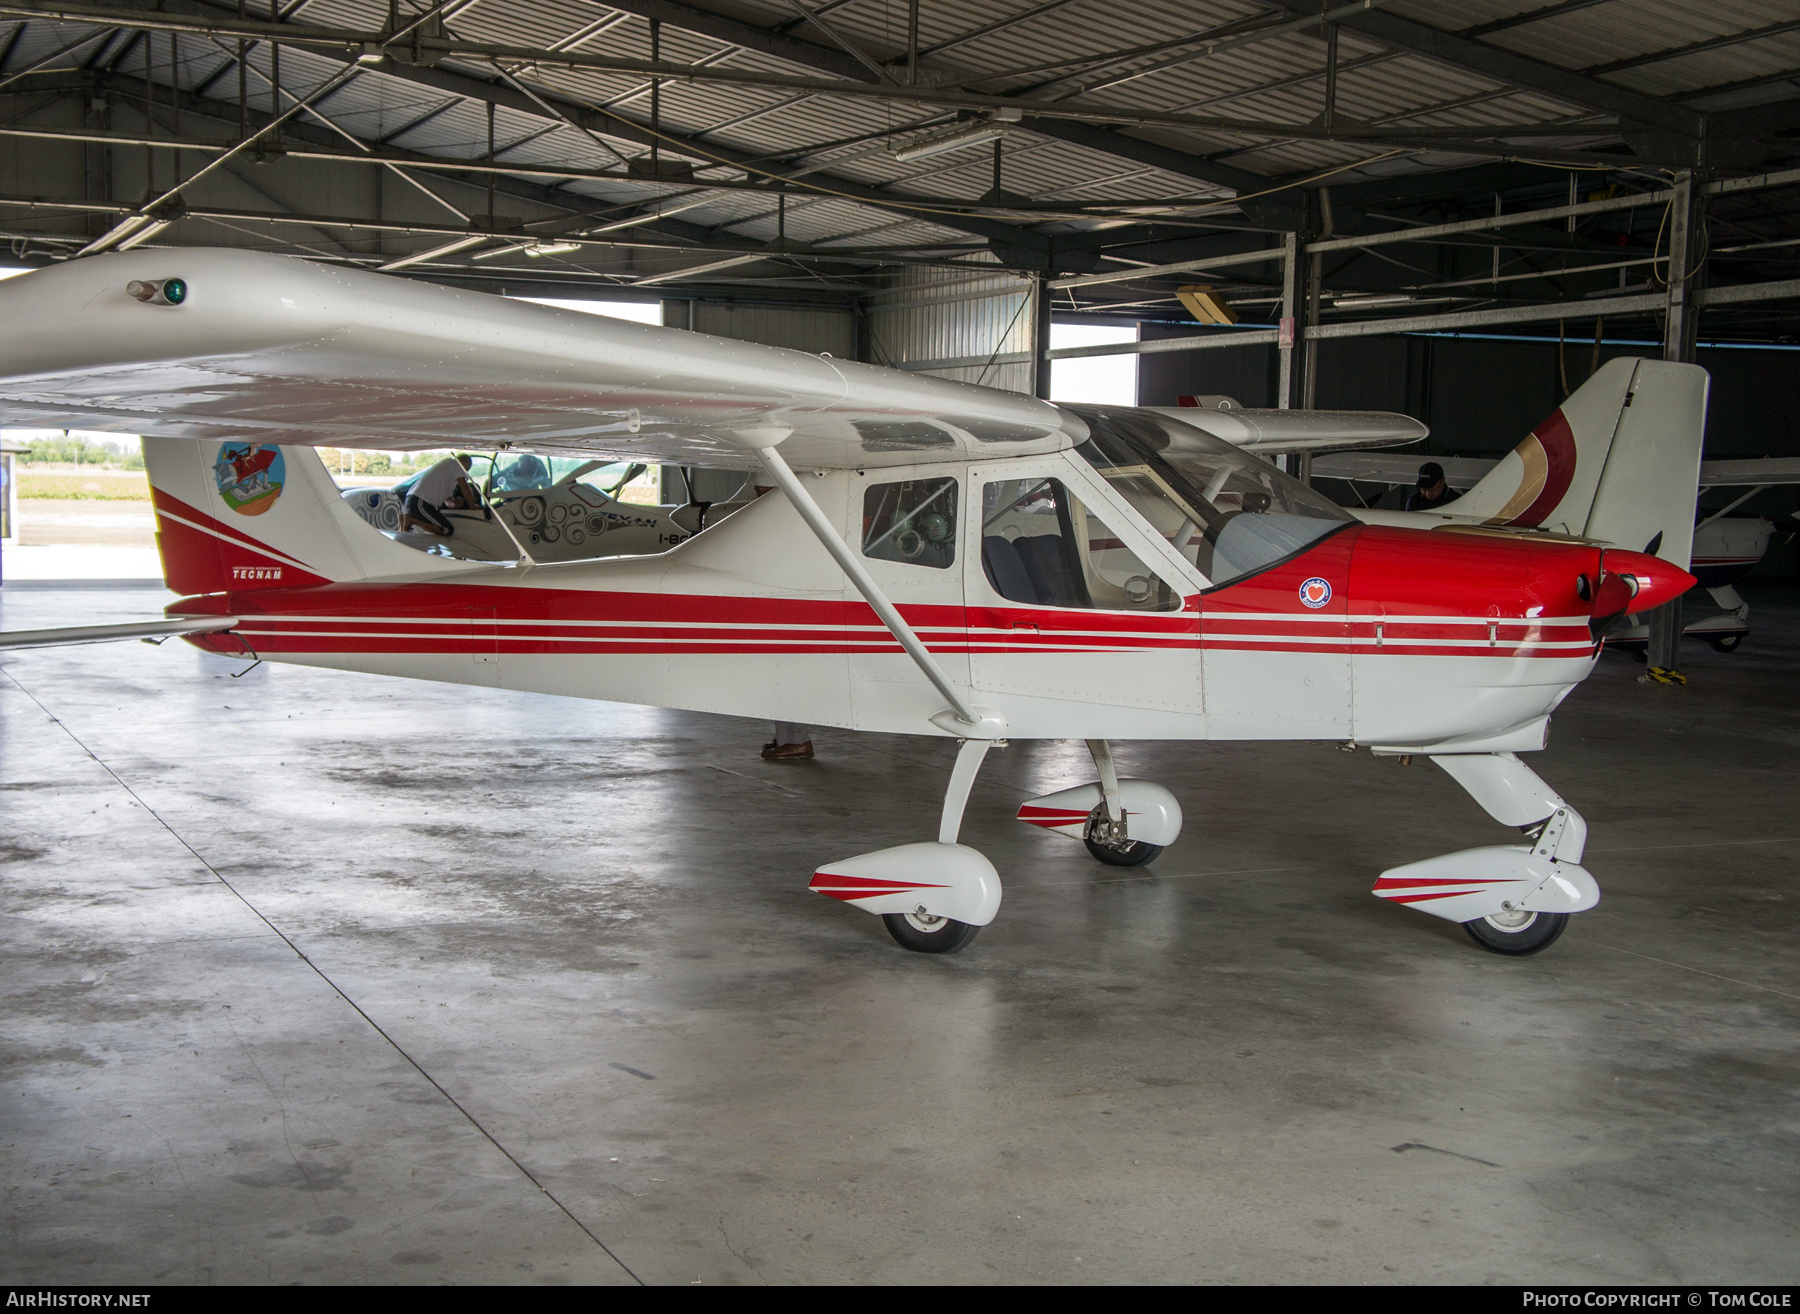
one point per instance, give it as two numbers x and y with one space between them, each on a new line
1228 512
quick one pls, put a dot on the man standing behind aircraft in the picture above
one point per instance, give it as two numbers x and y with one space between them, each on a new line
1433 491
432 490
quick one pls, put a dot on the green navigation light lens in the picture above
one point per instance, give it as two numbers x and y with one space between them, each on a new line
175 291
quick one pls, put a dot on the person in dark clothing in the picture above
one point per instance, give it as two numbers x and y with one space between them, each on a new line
1432 491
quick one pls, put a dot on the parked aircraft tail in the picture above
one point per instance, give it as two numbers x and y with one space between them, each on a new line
1618 461
236 516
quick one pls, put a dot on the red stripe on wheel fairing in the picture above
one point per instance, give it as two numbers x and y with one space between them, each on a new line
850 888
1421 898
1409 883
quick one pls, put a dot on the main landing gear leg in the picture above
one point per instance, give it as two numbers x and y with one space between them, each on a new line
933 898
1108 834
1511 899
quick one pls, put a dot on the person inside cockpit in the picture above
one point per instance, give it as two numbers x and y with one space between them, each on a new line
523 471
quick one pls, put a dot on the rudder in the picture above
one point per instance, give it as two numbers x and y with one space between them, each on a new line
1549 481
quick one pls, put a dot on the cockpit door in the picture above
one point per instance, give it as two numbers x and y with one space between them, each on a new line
1078 614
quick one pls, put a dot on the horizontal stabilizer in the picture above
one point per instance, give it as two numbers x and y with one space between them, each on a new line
1768 471
1460 472
1299 431
160 629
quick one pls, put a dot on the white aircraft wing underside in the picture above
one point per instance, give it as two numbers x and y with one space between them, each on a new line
287 351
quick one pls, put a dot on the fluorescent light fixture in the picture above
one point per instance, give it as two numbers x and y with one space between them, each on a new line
950 141
370 54
533 249
1356 303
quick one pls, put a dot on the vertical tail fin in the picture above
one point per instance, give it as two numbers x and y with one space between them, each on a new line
1619 461
1645 502
237 516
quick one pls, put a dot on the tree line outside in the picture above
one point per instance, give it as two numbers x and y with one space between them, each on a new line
70 465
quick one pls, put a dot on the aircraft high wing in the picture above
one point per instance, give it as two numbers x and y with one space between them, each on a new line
945 560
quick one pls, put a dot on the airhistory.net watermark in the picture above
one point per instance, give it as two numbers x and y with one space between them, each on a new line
77 1300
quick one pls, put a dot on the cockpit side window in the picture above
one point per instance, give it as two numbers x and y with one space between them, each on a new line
1042 545
912 522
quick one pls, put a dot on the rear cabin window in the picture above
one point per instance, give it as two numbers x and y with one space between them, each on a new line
913 523
1042 546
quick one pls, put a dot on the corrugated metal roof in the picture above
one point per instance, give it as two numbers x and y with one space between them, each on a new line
993 46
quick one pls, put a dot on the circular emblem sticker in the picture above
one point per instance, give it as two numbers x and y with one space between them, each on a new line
249 476
1315 593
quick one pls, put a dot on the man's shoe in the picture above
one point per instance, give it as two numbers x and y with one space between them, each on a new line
787 752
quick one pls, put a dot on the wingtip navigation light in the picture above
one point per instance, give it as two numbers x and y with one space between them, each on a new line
159 291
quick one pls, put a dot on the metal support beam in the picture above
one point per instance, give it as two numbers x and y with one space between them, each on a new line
1648 303
1665 636
748 36
1517 70
1518 217
1681 317
1287 394
1179 267
1040 338
1183 164
1685 275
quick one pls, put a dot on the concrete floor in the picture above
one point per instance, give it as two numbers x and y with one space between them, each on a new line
313 977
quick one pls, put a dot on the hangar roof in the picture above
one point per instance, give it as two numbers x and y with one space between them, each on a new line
810 147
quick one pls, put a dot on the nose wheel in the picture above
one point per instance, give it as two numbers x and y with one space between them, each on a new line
925 934
1517 933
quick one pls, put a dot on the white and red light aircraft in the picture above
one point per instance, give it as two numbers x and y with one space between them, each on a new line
946 560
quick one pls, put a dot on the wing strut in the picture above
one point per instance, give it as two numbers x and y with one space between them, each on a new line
840 552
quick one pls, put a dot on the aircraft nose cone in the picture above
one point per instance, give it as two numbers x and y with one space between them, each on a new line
1637 582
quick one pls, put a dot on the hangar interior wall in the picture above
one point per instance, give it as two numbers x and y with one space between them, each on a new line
933 314
828 329
817 329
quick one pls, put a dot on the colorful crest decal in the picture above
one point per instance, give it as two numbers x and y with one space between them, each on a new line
249 476
1315 593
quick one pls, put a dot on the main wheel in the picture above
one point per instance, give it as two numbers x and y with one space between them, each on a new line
1517 933
1726 642
1123 853
925 934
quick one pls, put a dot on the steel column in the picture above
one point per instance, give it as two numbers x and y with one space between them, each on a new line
1288 333
1681 317
1040 338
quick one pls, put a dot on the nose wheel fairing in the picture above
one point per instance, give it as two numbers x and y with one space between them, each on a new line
1503 881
